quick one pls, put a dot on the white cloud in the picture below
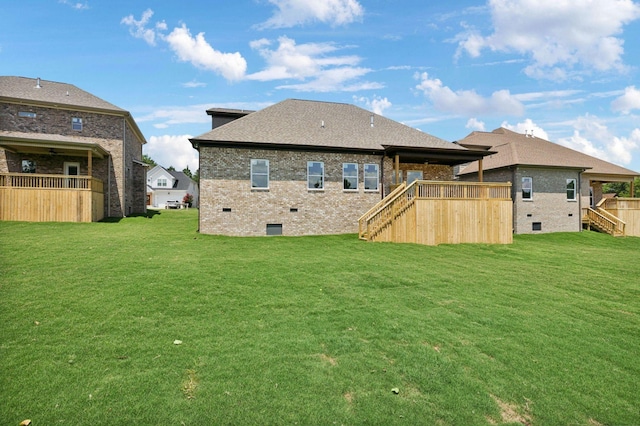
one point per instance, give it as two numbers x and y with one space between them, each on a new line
625 103
475 124
467 102
193 84
312 63
172 150
164 116
376 104
593 137
527 126
557 35
195 50
199 53
75 5
299 12
138 28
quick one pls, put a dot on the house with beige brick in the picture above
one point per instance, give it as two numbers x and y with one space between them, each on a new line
67 155
303 167
555 188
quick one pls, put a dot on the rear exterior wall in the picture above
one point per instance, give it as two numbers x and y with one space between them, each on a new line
229 206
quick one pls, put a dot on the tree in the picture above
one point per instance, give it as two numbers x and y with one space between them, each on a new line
148 160
171 169
187 172
622 188
196 176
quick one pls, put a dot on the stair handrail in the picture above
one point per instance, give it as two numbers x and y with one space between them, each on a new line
619 223
607 225
389 200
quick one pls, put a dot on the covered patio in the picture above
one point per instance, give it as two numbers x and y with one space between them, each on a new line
64 194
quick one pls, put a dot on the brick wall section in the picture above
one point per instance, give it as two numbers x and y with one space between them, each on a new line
549 204
429 172
121 170
225 184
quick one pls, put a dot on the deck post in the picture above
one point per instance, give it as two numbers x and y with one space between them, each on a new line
89 163
480 177
397 169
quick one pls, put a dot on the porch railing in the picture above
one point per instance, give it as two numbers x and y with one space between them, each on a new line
41 181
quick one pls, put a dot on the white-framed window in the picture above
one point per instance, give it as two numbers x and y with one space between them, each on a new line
371 177
260 174
28 166
527 188
571 189
76 124
413 175
162 182
27 114
315 175
350 176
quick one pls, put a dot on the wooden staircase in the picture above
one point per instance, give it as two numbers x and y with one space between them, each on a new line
601 220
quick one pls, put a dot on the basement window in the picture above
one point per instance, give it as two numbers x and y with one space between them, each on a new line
536 226
274 229
27 114
76 124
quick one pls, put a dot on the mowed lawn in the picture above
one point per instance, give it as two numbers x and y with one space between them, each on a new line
313 330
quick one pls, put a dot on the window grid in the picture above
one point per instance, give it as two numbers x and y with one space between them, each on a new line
371 177
571 189
315 175
76 124
350 176
527 188
259 174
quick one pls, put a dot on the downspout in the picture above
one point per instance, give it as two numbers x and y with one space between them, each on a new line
514 198
381 183
109 185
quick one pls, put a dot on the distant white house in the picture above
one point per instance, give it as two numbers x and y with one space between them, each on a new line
169 187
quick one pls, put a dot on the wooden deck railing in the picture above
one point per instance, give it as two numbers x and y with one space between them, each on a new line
402 199
41 181
50 198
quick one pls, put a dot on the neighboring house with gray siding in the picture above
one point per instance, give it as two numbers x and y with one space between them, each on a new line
305 167
552 185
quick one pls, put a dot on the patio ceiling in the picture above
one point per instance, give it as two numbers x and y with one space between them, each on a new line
49 144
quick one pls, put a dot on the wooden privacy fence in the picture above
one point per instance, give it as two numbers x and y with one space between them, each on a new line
50 198
627 210
434 212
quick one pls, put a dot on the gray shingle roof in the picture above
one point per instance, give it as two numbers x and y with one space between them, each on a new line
51 92
322 124
182 180
517 149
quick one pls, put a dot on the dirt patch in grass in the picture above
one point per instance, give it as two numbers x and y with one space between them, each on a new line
190 385
348 397
512 413
326 358
593 422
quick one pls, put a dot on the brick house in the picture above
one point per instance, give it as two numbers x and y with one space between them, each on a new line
305 167
67 154
554 187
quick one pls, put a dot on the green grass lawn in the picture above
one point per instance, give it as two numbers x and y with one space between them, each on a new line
313 330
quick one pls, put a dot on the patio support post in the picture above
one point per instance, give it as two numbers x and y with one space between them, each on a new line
397 169
480 177
89 163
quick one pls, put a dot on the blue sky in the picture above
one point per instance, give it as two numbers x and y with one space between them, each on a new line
567 70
